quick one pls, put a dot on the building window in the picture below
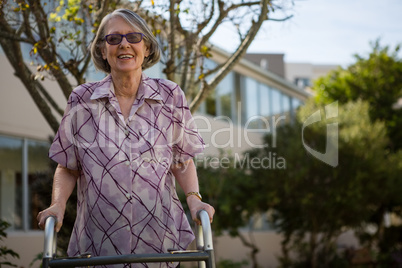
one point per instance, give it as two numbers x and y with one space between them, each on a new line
265 100
264 64
287 108
276 100
225 97
22 163
302 82
250 103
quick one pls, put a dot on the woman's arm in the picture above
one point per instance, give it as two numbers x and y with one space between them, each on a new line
186 176
63 185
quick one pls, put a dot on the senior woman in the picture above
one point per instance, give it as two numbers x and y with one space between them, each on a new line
123 140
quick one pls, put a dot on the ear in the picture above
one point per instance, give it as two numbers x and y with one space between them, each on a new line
147 52
103 51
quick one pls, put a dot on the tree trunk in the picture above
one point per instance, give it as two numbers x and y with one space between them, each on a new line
25 75
312 251
233 60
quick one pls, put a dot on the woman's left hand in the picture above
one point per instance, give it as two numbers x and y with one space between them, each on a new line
195 205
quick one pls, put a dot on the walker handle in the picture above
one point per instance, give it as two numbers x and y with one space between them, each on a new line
204 239
49 249
205 226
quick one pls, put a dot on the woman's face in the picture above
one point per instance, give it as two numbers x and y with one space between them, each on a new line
124 57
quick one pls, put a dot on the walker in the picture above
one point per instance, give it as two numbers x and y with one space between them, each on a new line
204 254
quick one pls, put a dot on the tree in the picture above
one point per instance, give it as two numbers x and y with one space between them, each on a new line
376 79
58 35
234 194
313 202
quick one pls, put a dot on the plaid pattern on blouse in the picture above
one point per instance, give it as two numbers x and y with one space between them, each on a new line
127 201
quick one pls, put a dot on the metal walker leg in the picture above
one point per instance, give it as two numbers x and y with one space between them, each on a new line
204 255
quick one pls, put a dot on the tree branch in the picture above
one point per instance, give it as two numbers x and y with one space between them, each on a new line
49 98
235 58
14 56
14 37
174 23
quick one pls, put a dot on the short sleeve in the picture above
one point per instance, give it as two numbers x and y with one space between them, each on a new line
188 141
63 149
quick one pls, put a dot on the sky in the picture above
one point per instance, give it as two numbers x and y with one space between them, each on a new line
327 31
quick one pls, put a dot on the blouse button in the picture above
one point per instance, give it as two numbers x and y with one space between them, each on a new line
128 195
126 131
127 163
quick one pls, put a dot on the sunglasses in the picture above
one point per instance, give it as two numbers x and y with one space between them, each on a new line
115 39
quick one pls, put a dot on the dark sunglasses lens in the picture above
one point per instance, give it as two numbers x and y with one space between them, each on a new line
134 37
114 39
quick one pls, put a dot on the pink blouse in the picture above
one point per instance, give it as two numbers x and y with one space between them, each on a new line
127 200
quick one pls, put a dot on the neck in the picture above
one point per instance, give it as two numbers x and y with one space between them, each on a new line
126 85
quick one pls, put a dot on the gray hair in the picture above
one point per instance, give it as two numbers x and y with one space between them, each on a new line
135 21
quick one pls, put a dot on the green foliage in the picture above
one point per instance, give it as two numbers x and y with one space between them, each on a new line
38 259
227 188
376 79
4 251
226 184
313 202
231 264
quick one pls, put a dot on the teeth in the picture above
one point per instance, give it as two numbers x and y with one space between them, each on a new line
125 57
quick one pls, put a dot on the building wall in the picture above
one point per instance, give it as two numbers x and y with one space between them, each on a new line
270 62
306 73
19 115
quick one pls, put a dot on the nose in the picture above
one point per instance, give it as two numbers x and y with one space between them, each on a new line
124 41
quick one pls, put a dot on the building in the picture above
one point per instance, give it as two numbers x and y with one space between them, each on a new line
303 74
249 98
271 62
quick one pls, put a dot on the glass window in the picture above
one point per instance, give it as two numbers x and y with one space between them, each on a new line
296 103
265 101
250 103
286 105
276 100
38 170
19 197
302 82
224 96
10 181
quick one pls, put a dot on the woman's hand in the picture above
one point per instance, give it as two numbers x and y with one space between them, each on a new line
195 205
55 210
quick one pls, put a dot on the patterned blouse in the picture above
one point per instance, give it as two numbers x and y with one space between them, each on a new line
127 200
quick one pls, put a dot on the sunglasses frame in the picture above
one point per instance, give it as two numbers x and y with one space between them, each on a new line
122 36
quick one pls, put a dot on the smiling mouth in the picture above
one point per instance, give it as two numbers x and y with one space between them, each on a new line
125 57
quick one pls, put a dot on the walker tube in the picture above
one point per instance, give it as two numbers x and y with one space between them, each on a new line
207 235
205 256
49 249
